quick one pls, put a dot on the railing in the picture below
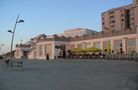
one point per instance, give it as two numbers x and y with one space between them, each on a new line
133 56
102 34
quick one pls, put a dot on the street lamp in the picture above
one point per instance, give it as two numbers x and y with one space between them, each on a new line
13 32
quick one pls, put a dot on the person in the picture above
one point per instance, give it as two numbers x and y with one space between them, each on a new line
47 56
7 62
1 57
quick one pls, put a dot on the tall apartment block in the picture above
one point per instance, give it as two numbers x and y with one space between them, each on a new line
125 17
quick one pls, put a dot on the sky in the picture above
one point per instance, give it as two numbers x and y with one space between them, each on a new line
50 17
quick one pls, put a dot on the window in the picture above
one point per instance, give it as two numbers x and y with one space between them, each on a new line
79 46
131 42
132 24
122 24
102 23
122 20
132 18
113 21
112 12
72 46
97 45
122 15
112 17
112 26
131 45
117 45
132 14
102 18
88 45
106 45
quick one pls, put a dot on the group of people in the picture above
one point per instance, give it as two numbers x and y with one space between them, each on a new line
6 61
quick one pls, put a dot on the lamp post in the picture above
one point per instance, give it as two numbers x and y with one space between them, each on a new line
13 32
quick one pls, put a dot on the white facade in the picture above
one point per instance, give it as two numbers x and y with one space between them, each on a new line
137 40
78 32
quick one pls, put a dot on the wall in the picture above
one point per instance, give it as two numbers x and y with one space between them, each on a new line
101 40
50 46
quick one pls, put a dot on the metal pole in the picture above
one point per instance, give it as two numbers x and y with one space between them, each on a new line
13 36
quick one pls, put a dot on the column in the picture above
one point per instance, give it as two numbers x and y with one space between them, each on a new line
124 44
92 44
137 40
83 45
101 45
112 45
52 51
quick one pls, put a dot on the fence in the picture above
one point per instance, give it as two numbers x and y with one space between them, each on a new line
133 56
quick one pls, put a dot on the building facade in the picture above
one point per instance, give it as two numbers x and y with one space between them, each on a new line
78 32
55 47
120 18
119 35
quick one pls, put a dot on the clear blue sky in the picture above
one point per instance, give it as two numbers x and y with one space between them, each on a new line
51 16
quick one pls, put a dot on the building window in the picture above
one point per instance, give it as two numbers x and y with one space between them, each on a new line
72 46
122 25
112 17
131 42
102 18
113 21
97 45
88 45
132 19
122 15
117 45
112 26
106 45
79 45
131 45
112 12
132 24
132 14
102 23
122 20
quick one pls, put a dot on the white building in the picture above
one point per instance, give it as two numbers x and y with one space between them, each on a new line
59 46
77 32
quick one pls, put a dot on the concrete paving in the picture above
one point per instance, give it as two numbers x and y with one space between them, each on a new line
71 75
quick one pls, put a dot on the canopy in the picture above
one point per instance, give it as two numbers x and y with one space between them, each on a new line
92 49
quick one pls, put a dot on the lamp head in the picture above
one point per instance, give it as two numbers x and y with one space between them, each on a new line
20 21
10 31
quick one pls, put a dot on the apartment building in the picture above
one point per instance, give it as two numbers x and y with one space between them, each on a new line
124 17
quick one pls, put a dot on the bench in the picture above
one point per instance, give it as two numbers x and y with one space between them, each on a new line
15 64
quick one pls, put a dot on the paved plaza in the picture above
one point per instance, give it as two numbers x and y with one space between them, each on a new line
71 75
